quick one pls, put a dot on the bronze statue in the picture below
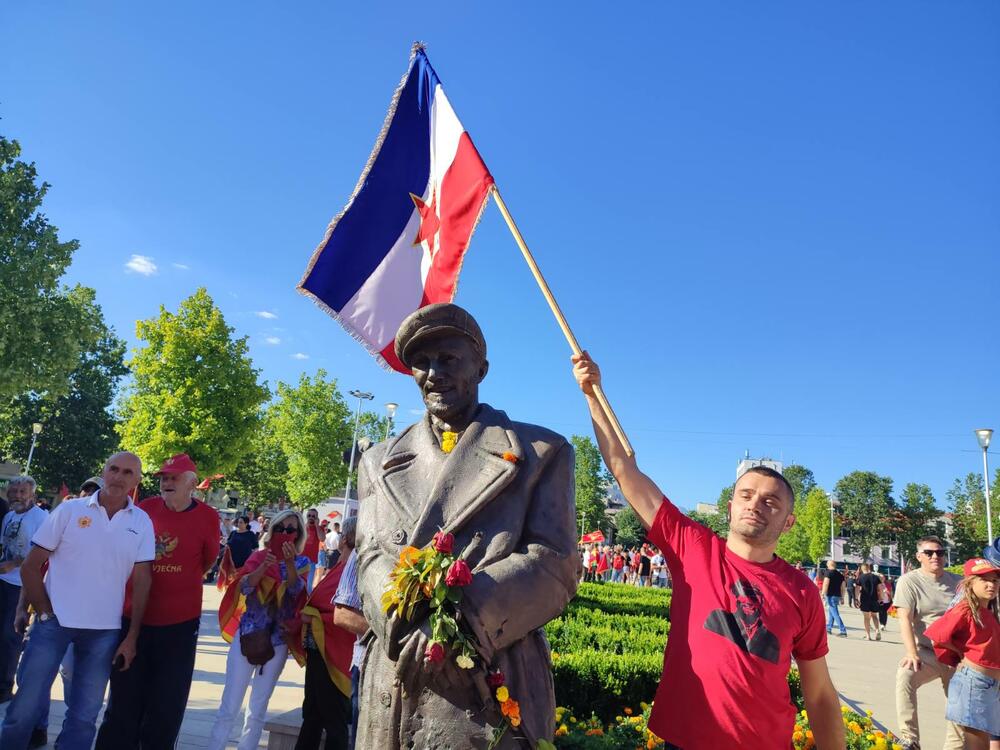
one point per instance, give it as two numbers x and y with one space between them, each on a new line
503 487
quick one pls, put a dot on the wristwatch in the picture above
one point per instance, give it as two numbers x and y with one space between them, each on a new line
43 616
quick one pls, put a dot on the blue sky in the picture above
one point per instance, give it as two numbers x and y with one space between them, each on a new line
775 226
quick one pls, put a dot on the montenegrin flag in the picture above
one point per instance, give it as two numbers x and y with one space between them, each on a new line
399 243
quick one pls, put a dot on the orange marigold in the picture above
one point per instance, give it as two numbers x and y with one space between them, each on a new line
508 456
511 709
408 555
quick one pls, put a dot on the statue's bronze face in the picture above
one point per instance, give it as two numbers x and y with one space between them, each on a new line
448 369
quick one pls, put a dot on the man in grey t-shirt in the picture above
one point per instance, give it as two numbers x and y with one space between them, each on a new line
922 596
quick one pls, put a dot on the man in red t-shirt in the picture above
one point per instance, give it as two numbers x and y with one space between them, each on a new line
738 615
315 534
147 700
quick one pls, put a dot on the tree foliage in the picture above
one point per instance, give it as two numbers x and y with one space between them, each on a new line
314 426
968 505
630 532
78 428
916 516
261 476
815 523
194 389
44 326
801 479
716 522
867 505
592 484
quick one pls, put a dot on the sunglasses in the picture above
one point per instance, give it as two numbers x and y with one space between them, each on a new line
285 529
934 552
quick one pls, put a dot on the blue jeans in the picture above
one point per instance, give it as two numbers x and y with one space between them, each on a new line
353 733
93 651
833 614
312 577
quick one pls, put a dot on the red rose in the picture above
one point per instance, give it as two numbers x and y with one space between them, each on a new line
495 679
434 652
458 574
444 543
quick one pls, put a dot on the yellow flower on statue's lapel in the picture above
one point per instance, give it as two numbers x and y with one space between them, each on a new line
448 441
84 522
502 694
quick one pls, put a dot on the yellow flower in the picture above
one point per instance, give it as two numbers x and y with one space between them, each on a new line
804 715
844 709
464 661
503 694
448 441
855 727
563 729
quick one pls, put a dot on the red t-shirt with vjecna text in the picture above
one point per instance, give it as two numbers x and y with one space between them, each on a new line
187 544
734 627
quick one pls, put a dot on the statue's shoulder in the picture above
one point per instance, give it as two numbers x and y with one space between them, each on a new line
541 439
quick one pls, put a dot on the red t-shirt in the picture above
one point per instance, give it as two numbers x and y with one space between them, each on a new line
311 550
980 644
618 562
725 667
187 543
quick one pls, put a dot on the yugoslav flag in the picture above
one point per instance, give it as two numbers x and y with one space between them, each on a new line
399 243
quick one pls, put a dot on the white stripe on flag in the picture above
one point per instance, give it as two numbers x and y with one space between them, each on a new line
392 292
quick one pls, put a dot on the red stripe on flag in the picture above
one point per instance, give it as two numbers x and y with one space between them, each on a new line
389 355
463 190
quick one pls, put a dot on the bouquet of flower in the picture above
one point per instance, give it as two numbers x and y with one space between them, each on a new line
436 575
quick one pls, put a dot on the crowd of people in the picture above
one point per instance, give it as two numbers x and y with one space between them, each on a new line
637 566
113 590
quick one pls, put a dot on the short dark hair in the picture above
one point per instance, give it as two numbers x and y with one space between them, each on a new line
930 538
769 472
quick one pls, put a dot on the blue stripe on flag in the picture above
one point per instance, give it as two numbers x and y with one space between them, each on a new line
382 207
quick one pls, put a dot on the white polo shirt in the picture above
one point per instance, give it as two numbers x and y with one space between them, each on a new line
92 559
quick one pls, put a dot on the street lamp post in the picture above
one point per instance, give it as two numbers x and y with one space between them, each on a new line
36 429
984 436
361 396
833 502
390 410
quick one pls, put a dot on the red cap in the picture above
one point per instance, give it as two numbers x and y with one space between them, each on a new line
979 566
177 465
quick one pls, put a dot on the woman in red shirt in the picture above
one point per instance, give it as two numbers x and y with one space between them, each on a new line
971 629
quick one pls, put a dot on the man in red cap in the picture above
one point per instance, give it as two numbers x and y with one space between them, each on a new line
147 701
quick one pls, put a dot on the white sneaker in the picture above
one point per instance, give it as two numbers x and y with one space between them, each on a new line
878 635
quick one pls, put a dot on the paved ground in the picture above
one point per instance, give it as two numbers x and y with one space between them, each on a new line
864 673
206 689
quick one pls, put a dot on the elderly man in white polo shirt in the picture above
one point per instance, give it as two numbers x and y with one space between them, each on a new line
93 545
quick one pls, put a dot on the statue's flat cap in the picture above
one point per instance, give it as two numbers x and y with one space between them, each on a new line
439 319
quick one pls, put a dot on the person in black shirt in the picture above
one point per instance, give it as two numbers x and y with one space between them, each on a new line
242 542
868 591
645 564
834 587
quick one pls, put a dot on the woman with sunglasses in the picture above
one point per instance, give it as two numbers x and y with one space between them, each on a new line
255 617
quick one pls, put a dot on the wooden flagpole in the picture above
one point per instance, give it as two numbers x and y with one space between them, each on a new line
560 318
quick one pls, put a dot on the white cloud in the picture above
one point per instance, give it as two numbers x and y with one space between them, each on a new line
300 355
181 267
141 264
273 340
266 315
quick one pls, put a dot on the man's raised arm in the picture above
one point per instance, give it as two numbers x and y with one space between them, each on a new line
640 491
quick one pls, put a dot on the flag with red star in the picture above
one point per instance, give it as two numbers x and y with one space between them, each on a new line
399 243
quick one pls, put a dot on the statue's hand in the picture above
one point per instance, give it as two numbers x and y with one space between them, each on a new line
412 668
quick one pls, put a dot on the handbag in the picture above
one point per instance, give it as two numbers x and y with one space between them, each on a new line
256 647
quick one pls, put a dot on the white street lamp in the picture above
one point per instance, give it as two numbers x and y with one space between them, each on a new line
390 410
361 396
36 430
984 436
833 502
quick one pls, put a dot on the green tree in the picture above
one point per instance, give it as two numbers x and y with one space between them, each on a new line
716 522
793 545
916 516
44 325
314 426
78 428
815 523
801 479
968 505
261 476
592 484
867 505
194 389
630 531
